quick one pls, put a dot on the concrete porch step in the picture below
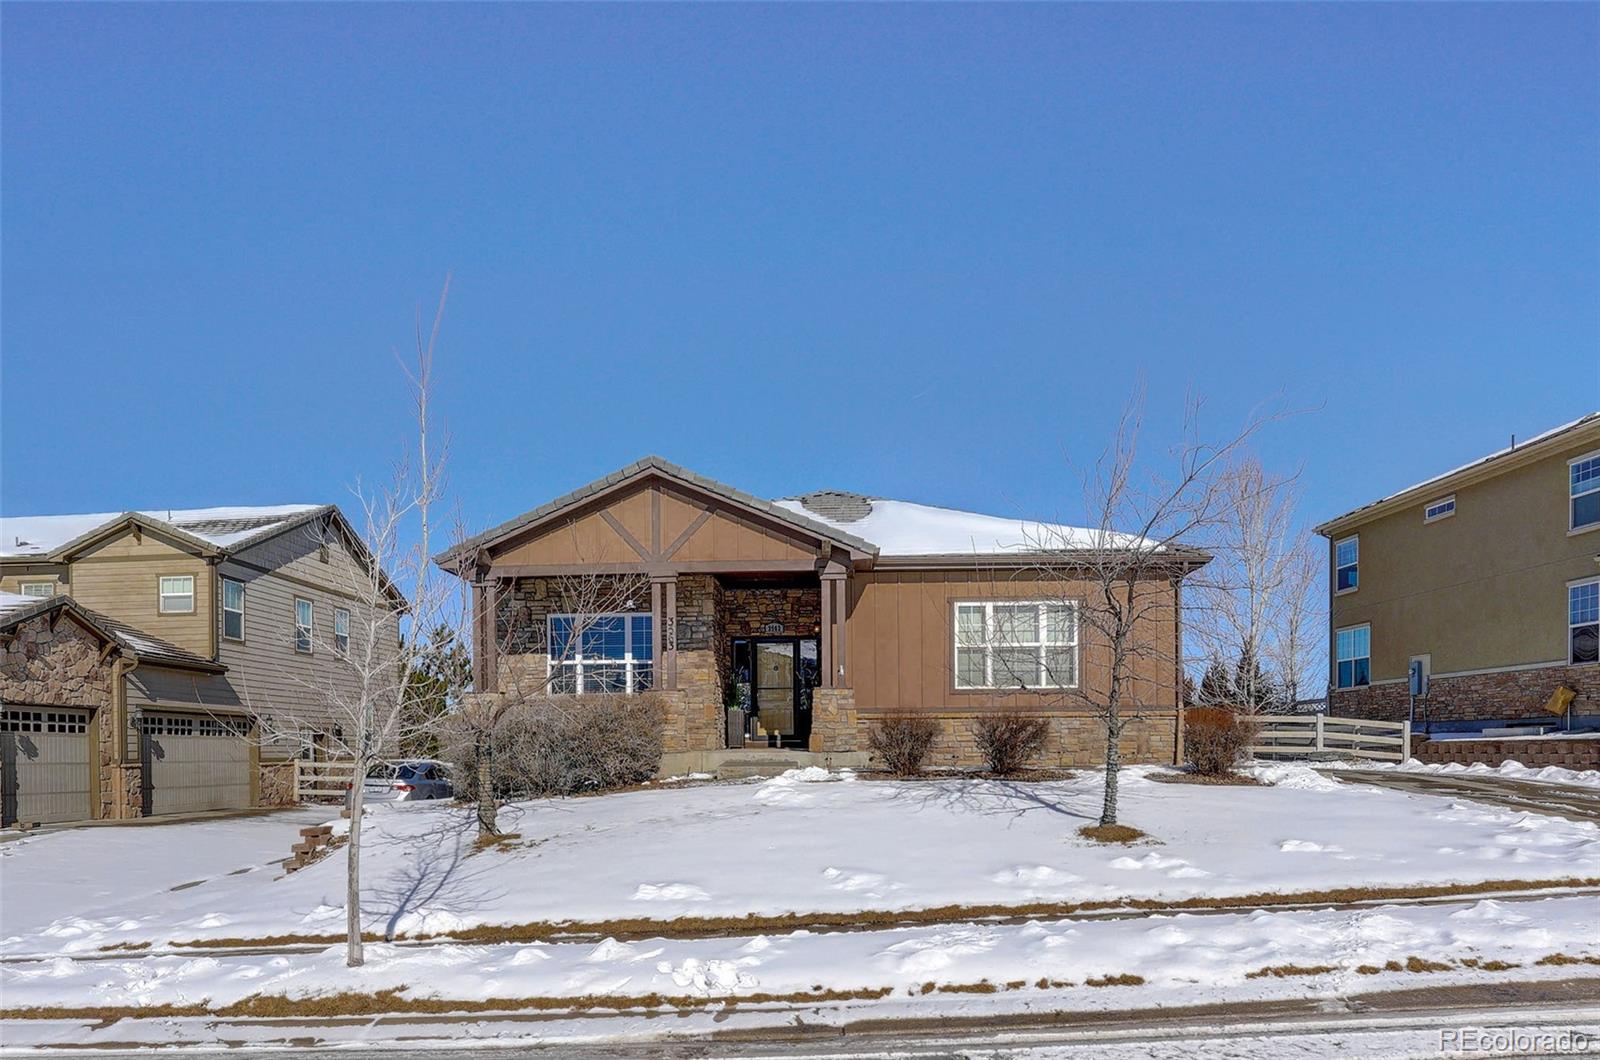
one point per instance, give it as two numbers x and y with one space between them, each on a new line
753 766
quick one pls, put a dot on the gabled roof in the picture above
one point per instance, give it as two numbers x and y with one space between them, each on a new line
1484 467
209 531
655 465
15 610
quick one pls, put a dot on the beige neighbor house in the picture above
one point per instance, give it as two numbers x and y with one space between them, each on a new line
786 628
1487 577
213 632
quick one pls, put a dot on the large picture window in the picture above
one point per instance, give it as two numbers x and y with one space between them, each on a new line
602 653
1583 622
1353 657
1016 644
1585 478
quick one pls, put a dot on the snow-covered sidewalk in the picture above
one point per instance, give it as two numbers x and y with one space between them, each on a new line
806 842
1572 778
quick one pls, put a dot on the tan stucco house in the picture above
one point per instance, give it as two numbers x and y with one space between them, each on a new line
220 627
787 627
1487 577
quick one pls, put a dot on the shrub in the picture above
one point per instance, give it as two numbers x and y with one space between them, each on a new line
1009 740
1214 738
902 741
563 745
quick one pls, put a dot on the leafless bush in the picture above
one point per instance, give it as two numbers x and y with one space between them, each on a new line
563 745
1214 738
902 741
1009 739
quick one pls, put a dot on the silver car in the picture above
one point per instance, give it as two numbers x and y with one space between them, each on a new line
408 781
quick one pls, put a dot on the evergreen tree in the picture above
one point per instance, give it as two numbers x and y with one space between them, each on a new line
443 670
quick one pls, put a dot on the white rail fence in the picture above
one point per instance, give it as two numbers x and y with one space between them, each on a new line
1319 736
322 781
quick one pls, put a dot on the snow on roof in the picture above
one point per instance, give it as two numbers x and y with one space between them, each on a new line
39 535
1496 455
904 528
10 602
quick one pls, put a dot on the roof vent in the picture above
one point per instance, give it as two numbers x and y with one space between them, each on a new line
837 505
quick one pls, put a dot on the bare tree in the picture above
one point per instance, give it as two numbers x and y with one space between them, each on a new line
589 606
1128 562
1241 595
1299 630
364 692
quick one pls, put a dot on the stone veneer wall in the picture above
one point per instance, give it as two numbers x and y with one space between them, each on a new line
61 667
275 784
1506 694
1535 754
1075 739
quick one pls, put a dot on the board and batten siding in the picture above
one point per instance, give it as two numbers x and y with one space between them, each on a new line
900 647
266 672
121 578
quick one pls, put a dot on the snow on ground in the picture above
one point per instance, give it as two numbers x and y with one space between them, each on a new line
805 842
110 871
1582 778
1191 958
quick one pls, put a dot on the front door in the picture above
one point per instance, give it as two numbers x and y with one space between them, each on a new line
782 673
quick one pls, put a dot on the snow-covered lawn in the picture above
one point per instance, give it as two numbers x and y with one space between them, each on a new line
1183 957
805 842
110 871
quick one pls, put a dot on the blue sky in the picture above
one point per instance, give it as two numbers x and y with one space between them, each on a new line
918 251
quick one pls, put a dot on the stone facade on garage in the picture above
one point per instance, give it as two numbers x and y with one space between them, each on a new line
54 660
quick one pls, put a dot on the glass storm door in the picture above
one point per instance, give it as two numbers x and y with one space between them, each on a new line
774 687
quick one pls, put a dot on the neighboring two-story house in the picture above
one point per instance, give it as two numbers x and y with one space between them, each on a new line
229 624
782 629
1487 576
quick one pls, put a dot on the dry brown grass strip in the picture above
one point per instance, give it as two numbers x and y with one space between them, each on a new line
394 1002
1111 833
980 987
1285 971
635 928
1563 958
118 947
1116 980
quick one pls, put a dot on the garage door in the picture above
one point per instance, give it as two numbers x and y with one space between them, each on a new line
44 765
194 762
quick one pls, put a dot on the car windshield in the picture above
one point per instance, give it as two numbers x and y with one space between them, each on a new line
381 771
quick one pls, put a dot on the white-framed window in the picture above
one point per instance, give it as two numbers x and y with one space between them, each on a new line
233 609
601 653
341 630
1442 508
1583 621
1346 565
41 590
1584 477
1353 657
1016 644
177 594
304 625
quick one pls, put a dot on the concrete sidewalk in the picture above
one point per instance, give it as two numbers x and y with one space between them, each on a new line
1573 803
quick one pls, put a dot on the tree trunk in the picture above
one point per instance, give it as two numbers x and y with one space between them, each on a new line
352 895
486 799
1108 805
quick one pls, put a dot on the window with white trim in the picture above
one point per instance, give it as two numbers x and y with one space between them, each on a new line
304 625
233 609
41 590
1442 508
1583 622
341 630
601 653
1016 644
1353 657
1584 477
1346 564
177 594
